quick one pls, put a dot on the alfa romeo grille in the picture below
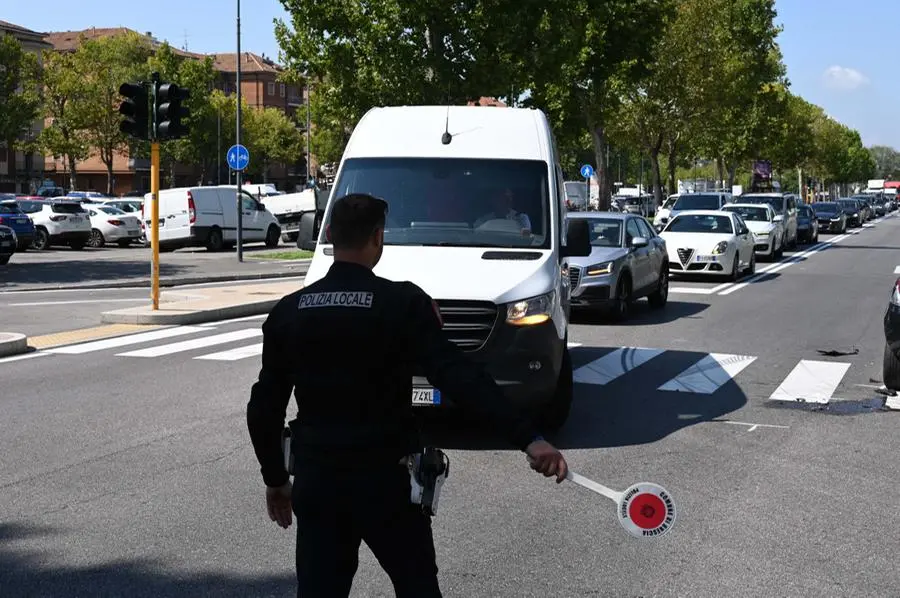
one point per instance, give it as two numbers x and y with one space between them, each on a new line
685 255
468 324
574 276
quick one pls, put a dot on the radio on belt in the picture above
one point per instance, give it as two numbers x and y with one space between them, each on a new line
428 471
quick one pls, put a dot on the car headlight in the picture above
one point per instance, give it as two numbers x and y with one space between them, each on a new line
854 214
836 218
603 268
531 311
764 233
721 248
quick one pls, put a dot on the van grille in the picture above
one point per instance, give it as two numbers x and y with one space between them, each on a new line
468 324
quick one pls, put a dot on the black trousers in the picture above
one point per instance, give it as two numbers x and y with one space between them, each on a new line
337 509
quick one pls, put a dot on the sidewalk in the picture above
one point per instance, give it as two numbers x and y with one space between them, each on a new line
206 305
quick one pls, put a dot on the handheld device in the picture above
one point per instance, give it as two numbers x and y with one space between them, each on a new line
428 471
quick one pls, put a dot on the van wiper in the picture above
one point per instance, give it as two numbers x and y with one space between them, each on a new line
475 246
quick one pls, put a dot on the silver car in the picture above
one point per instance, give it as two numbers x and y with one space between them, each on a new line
628 261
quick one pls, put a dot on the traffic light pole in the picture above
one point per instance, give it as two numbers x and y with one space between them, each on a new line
154 191
154 228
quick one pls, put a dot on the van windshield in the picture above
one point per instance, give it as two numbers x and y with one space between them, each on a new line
455 201
697 202
777 203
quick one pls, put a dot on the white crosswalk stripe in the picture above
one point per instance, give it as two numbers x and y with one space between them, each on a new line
811 382
615 364
234 354
124 341
709 374
197 343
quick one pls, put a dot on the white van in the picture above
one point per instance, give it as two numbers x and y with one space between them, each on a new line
207 217
455 228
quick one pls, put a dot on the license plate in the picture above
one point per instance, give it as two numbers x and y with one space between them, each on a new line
74 218
426 396
707 258
292 226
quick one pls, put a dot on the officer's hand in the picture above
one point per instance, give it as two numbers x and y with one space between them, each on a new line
278 503
546 459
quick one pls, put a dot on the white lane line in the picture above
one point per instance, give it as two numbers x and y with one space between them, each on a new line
897 270
197 343
709 374
811 382
25 356
234 320
573 345
753 426
720 287
123 341
234 354
37 303
615 364
690 291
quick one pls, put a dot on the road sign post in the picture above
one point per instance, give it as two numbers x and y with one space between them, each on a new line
587 171
154 200
238 158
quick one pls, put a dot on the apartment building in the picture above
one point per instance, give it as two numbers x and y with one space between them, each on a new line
21 172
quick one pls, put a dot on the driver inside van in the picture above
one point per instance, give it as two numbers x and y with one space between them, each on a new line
503 210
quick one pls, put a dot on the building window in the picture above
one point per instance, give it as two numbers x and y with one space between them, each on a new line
282 90
271 88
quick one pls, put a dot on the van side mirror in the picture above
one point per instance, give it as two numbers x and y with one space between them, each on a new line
578 238
261 207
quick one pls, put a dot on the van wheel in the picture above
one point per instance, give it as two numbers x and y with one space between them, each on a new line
306 233
272 236
556 412
41 239
289 238
96 239
215 241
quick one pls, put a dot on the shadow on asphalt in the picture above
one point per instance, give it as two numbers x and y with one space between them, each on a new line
629 410
641 314
24 573
86 270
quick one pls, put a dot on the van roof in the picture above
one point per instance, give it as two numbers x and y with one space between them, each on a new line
478 132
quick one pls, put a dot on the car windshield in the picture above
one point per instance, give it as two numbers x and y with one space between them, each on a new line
697 202
111 210
751 214
777 203
9 208
826 207
849 204
67 208
700 223
31 207
804 211
670 202
455 202
605 232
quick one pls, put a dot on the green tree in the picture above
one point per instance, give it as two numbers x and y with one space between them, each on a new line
104 64
19 99
63 97
272 138
887 161
331 128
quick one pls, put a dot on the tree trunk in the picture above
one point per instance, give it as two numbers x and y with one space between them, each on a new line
109 176
657 176
72 174
720 172
732 169
673 161
598 134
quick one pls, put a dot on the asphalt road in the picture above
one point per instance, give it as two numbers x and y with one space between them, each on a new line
35 313
127 470
61 267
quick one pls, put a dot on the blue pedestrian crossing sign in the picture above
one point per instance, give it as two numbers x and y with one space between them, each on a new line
238 157
587 171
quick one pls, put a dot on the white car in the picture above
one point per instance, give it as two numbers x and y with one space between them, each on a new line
57 222
663 213
709 242
109 224
768 231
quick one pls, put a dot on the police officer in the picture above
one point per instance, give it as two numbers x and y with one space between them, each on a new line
348 346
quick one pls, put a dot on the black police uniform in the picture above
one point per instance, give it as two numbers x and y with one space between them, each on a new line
348 346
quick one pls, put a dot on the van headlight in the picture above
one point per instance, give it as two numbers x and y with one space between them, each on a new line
598 269
531 311
721 248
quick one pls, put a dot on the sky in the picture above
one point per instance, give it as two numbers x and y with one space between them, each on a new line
839 55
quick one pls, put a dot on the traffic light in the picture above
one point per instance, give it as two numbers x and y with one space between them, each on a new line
170 115
135 110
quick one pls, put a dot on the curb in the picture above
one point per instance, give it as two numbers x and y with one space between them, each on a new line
193 317
141 283
12 343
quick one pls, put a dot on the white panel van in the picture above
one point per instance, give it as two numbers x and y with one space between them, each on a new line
207 217
476 219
